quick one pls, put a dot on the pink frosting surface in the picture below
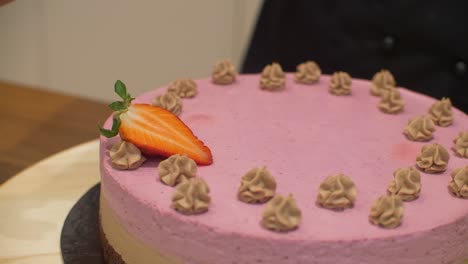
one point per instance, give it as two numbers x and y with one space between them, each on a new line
302 135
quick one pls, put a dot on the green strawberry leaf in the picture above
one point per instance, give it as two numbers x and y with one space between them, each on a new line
108 133
121 89
114 130
116 123
117 106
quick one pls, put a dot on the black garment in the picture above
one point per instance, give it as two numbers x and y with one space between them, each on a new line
423 43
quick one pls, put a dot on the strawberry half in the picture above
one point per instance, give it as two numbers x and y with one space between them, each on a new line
154 130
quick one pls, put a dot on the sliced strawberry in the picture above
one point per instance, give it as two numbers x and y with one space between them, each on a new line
155 131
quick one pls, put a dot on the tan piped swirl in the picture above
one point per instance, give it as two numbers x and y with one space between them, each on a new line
176 169
257 186
224 72
461 145
191 196
391 102
420 128
441 112
281 214
382 80
387 211
433 158
272 78
169 101
406 184
337 192
340 83
459 183
308 72
185 88
125 156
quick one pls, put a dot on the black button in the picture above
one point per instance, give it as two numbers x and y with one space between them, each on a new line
388 43
460 68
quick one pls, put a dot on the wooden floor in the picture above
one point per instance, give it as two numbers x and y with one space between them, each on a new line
35 124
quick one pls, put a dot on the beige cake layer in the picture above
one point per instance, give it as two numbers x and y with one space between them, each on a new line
121 247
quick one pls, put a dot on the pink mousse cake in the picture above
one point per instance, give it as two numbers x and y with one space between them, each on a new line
302 134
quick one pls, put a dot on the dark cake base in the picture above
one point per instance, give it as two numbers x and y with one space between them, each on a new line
80 240
110 255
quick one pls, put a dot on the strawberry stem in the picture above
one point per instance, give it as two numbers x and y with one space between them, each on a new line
118 107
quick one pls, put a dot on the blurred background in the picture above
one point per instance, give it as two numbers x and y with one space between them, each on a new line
82 47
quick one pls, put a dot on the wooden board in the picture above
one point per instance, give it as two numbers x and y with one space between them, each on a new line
35 203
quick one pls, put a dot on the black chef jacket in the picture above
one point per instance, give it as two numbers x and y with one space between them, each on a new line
423 43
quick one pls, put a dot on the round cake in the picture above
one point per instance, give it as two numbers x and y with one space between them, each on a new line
301 134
